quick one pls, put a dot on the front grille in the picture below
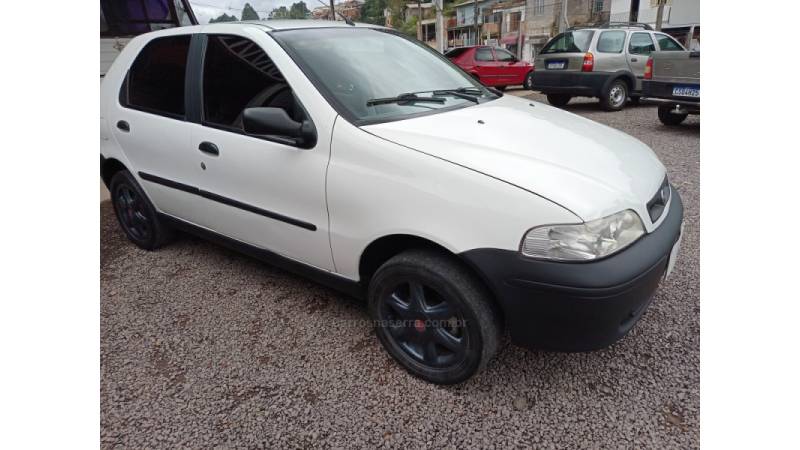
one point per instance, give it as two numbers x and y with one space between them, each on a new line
657 204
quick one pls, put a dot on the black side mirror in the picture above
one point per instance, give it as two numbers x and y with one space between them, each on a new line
275 122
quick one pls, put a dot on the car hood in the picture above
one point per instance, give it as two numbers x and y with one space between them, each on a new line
591 169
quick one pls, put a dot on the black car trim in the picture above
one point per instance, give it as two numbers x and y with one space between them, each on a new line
226 201
344 285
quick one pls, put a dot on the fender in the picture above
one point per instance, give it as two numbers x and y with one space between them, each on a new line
627 75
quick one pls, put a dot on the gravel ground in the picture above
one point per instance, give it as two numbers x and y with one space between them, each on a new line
202 347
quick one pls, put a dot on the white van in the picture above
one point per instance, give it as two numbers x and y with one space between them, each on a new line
368 162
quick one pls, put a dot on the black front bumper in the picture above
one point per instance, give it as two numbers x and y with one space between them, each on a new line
578 306
575 83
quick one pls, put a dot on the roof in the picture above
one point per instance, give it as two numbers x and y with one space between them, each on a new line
288 24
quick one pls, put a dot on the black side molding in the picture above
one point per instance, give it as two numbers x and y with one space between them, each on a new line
226 201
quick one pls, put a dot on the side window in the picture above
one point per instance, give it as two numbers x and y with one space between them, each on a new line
238 74
504 55
156 78
667 43
641 44
611 41
483 54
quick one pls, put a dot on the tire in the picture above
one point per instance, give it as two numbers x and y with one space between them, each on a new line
419 331
615 95
559 100
669 118
527 83
136 215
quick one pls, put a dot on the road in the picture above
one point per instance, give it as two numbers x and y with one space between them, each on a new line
203 347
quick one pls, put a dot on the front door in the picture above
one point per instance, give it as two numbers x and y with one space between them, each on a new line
265 191
639 48
513 71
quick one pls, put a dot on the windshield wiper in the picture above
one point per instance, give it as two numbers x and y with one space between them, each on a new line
404 99
461 93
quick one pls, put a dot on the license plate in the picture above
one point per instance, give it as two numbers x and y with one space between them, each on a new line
686 91
673 255
556 65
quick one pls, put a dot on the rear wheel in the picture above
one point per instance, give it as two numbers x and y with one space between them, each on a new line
615 95
667 117
433 316
528 82
135 213
558 99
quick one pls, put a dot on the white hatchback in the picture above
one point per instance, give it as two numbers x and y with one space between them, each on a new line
370 163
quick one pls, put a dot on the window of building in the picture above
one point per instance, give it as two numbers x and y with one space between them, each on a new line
513 21
538 7
597 6
641 44
667 43
156 78
483 54
611 41
238 74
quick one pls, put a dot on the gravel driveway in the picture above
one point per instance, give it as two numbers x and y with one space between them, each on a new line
203 347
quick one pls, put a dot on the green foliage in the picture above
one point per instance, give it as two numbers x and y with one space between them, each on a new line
248 13
409 27
299 10
224 18
279 13
372 11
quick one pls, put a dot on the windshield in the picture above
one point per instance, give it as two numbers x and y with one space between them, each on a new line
353 67
570 42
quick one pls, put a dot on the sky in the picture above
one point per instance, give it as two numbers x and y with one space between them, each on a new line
208 9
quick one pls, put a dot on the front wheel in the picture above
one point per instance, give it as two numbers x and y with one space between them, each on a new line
558 99
615 95
667 117
433 316
528 82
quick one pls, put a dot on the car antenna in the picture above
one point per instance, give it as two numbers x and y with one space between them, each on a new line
345 18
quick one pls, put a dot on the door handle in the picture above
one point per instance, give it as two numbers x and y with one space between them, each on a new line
634 59
208 147
124 126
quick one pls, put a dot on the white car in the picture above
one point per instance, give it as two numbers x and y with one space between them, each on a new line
370 163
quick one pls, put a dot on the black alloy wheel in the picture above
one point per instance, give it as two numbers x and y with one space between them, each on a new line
135 213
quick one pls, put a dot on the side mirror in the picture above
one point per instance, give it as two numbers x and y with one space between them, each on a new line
275 122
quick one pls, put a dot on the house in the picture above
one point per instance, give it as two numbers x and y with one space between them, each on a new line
680 18
427 31
462 31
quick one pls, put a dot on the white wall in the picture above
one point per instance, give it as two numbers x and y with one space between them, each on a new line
681 12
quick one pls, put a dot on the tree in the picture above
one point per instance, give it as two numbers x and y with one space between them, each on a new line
248 13
372 11
298 10
224 18
279 13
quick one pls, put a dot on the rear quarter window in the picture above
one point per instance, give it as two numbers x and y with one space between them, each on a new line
611 41
569 42
156 79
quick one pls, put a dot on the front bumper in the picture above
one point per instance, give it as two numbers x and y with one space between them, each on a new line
578 306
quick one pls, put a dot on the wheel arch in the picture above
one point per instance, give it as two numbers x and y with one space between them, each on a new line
626 76
108 168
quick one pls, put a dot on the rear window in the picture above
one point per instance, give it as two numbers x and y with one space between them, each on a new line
156 79
611 41
569 42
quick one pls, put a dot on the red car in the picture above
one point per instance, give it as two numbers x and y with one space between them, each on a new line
493 66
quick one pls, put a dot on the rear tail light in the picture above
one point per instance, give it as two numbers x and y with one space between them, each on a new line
588 62
648 69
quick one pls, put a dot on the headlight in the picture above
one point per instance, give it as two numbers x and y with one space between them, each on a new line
586 241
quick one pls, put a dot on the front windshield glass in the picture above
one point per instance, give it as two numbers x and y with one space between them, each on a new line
355 67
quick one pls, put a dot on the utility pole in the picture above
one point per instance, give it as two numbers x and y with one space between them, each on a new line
419 19
333 11
659 14
563 24
475 22
440 31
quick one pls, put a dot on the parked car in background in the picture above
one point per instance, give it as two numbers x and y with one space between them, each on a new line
360 158
606 62
673 80
492 66
120 21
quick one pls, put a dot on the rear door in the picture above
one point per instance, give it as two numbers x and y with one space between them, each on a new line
640 46
149 122
565 52
610 50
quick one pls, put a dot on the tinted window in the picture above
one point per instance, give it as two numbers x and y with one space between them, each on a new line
611 41
130 18
156 78
504 55
569 42
641 44
483 54
667 44
238 74
455 53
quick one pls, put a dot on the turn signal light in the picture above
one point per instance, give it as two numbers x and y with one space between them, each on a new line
588 62
648 69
